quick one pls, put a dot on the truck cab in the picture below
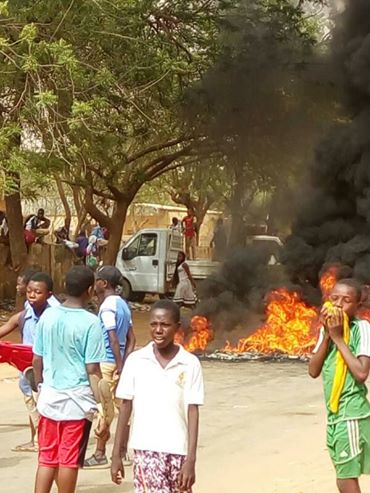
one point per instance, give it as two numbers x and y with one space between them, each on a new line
147 262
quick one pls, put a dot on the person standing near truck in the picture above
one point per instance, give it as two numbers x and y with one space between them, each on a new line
219 240
189 229
184 282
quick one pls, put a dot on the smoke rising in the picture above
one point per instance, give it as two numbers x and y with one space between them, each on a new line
235 290
263 105
333 223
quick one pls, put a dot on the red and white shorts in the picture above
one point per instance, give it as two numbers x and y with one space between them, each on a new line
63 443
157 472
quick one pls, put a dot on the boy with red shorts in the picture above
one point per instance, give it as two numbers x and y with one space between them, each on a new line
68 349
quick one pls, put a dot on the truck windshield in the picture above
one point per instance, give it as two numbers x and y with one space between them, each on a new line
144 245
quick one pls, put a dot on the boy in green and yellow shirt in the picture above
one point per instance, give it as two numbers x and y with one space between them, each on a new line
348 428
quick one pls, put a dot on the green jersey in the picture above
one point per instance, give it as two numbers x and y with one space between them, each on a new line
353 403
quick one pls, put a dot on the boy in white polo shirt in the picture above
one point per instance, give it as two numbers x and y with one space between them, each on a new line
163 384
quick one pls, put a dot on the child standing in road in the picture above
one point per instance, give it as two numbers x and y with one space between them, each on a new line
115 318
38 290
68 349
163 384
342 355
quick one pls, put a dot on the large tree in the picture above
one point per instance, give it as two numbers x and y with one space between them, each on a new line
98 84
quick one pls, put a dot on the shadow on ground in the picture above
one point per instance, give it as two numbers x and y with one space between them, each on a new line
5 427
12 461
126 487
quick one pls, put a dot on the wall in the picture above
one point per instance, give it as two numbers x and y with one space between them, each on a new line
54 259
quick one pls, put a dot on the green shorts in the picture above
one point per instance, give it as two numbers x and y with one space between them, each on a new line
348 443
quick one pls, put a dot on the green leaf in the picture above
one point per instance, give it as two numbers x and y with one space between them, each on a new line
45 99
30 64
3 42
4 8
28 33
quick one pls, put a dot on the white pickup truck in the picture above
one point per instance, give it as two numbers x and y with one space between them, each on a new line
148 259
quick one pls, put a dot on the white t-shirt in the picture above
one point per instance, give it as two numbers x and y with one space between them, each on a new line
66 404
161 397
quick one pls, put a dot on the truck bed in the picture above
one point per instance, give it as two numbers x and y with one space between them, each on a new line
201 269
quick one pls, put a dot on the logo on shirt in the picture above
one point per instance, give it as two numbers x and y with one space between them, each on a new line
181 379
343 454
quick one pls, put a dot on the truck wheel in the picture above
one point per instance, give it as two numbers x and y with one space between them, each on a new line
138 297
126 290
166 296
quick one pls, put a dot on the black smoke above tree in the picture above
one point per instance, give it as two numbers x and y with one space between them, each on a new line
256 105
333 220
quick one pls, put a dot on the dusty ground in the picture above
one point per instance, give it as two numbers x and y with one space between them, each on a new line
262 431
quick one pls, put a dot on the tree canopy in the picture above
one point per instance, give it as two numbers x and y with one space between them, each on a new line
106 96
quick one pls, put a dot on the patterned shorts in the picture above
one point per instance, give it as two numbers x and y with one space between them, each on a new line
157 472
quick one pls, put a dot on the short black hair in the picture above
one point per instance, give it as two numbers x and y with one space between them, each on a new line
170 306
354 284
43 277
110 274
28 274
78 280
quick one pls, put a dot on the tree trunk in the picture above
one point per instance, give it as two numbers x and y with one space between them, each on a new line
80 210
115 231
18 250
63 198
200 211
114 224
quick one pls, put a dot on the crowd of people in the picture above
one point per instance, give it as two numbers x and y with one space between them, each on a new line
84 365
86 248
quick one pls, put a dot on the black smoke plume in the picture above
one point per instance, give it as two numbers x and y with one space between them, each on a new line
235 290
256 103
333 222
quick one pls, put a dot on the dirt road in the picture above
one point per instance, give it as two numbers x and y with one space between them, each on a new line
262 431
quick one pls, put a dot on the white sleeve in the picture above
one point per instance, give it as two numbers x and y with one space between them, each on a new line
364 347
126 384
108 318
319 341
195 393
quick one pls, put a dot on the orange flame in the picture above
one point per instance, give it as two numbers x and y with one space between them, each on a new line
202 334
328 280
291 326
288 328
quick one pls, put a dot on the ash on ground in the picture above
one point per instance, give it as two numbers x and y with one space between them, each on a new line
234 357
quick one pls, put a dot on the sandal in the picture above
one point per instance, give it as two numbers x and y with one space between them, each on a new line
25 448
94 462
126 460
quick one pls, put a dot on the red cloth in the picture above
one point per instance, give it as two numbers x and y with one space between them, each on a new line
189 226
18 355
29 237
